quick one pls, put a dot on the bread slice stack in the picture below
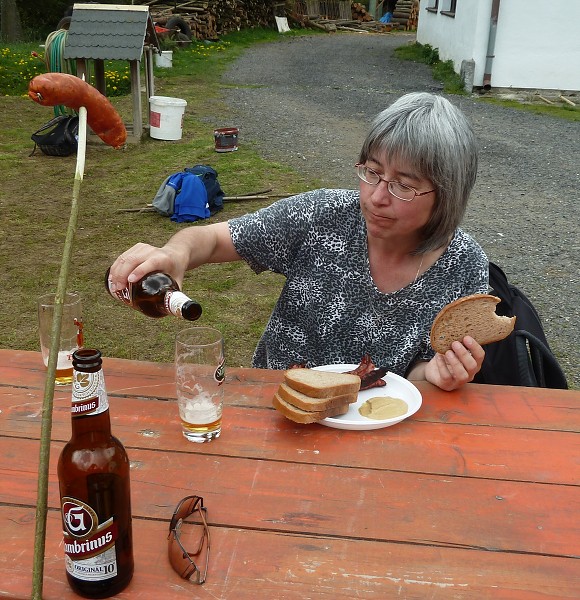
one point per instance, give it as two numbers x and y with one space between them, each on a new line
308 396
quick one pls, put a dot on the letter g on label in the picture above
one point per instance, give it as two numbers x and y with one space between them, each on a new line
79 518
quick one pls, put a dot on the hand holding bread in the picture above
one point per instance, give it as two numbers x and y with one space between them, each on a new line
471 315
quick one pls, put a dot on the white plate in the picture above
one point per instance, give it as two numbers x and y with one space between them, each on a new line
397 387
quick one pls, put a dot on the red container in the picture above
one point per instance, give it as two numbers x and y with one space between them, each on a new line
226 139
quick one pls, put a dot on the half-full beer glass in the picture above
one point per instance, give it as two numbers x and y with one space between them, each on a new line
199 377
71 334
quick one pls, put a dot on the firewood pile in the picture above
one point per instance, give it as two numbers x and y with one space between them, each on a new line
360 13
331 15
406 14
319 14
405 17
208 19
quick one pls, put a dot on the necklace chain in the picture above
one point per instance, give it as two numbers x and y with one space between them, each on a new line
419 269
376 318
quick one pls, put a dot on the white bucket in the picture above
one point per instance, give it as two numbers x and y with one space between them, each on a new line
166 117
165 59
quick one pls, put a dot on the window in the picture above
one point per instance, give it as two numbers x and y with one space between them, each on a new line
432 6
449 10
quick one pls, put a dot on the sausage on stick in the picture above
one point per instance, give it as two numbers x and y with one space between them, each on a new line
51 89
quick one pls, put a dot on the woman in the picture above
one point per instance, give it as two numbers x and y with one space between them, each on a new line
366 271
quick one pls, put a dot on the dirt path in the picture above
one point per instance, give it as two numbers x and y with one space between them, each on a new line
308 102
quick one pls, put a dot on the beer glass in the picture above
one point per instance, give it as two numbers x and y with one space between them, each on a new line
71 334
199 377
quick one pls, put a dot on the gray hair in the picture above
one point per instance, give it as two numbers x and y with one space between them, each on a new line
435 138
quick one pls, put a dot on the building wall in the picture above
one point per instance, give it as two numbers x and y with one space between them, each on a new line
532 49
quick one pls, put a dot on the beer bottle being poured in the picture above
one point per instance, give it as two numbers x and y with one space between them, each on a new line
157 295
93 477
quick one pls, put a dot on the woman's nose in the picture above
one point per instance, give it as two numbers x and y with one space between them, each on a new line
381 194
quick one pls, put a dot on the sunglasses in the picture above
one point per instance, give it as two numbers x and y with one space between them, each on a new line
181 560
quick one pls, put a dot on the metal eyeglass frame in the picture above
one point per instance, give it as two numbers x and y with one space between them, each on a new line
361 169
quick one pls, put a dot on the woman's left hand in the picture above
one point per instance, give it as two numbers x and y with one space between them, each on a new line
457 366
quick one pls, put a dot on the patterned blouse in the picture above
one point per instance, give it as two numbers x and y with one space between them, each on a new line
330 310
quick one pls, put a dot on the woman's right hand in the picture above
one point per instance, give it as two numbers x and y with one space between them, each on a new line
141 259
189 248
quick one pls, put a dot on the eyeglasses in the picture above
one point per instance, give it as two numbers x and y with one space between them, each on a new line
181 560
398 189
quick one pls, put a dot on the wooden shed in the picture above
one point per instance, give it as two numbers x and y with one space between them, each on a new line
100 32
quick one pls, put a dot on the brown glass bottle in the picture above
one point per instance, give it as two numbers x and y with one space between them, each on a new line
93 477
157 295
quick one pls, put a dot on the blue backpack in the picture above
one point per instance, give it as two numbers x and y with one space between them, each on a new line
190 195
215 194
523 358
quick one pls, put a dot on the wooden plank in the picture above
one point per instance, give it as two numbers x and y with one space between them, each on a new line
463 450
249 564
333 500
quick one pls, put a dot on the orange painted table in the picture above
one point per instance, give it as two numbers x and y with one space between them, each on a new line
476 496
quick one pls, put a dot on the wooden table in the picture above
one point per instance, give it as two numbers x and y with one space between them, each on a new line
476 496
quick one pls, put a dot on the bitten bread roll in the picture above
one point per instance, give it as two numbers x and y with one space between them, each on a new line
471 315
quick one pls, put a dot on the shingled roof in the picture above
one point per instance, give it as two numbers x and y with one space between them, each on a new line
109 32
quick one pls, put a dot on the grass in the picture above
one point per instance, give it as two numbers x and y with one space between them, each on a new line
37 192
444 72
569 113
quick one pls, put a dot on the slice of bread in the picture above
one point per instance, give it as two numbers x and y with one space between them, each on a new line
471 315
321 384
303 416
304 402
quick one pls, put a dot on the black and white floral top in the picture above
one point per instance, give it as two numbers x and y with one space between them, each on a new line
329 310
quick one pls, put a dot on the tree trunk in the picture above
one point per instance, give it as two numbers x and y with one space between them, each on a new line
11 30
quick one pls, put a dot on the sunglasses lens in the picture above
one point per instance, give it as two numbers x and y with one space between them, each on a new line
185 508
179 559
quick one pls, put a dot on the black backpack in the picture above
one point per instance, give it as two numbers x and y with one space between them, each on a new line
58 137
524 357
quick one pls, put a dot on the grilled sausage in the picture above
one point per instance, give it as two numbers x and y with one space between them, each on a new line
51 89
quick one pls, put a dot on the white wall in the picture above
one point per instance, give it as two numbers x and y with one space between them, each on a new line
533 49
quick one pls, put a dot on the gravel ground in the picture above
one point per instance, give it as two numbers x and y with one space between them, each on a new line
307 103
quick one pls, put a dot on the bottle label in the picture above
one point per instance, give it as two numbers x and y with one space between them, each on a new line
89 396
89 545
174 301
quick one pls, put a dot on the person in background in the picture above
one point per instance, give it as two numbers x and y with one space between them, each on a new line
389 6
366 270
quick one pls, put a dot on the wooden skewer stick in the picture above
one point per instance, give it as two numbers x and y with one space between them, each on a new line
545 99
258 196
47 405
567 100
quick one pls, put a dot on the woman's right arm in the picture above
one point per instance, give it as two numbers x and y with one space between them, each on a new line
187 249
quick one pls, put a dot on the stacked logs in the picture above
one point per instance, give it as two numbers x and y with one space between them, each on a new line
359 12
405 17
406 14
208 19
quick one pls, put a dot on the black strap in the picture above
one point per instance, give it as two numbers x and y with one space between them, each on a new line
537 365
